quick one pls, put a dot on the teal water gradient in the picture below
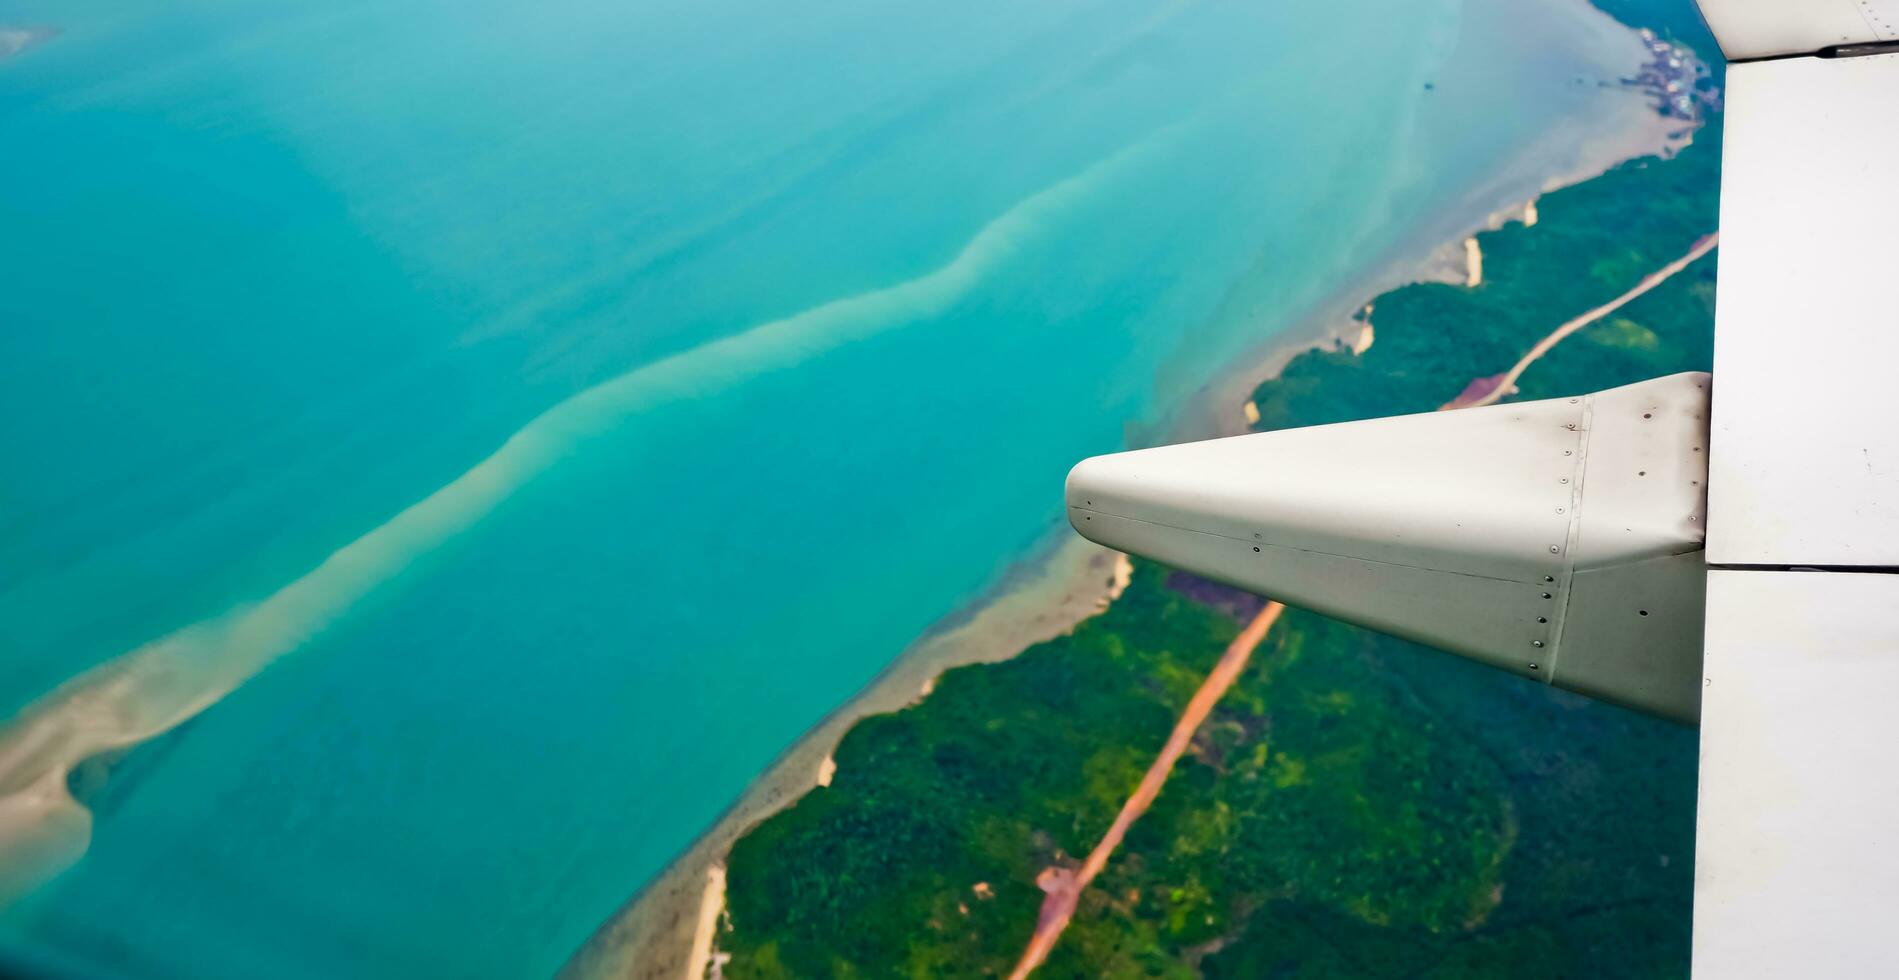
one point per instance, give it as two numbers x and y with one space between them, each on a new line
795 315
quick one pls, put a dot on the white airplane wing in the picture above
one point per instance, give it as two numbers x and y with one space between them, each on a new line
1797 845
1754 29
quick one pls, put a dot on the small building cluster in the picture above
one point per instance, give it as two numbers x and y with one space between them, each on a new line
1682 84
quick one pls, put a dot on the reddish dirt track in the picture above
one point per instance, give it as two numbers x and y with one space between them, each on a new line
1064 887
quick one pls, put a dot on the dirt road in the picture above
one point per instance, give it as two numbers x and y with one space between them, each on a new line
1064 887
1507 383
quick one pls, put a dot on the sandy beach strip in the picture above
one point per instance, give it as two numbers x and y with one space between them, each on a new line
1068 579
1044 596
706 932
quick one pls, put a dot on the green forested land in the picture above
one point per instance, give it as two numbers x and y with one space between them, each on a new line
1592 242
1357 806
1001 769
1317 789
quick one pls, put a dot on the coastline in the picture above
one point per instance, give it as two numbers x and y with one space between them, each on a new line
1064 580
1435 252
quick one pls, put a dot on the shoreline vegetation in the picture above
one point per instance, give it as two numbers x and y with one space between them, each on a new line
784 865
1491 390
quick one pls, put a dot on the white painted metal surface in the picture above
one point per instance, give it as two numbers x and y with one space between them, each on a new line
1763 28
1559 539
1805 465
1797 849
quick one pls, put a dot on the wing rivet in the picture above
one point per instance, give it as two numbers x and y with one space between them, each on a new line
1532 666
1536 643
1555 550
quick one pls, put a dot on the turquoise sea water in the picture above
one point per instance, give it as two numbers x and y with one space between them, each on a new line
777 325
